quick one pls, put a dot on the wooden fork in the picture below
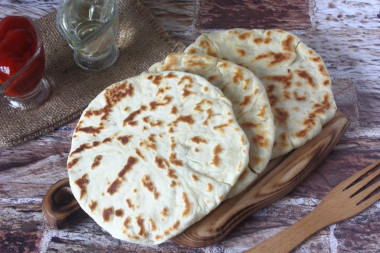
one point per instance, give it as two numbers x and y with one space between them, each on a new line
343 202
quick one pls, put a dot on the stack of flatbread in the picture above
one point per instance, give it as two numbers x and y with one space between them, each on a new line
155 153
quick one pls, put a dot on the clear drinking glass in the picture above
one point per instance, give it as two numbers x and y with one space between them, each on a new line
90 27
27 88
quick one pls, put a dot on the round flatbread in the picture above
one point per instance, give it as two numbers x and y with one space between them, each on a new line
155 153
249 102
295 77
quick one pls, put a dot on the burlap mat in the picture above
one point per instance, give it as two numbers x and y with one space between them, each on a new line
142 41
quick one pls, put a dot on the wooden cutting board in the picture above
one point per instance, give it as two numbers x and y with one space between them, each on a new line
280 177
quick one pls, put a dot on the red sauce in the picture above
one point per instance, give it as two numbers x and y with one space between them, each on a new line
18 45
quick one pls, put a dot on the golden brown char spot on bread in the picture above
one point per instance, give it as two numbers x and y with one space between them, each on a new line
92 205
304 75
174 110
154 104
173 183
263 111
285 80
225 64
298 97
138 152
216 151
119 212
238 75
161 162
276 57
209 187
322 70
133 114
173 160
246 84
184 118
198 106
256 159
130 204
72 163
124 139
153 226
246 101
187 79
196 63
187 205
192 51
96 161
82 184
107 214
114 186
108 139
287 43
174 227
242 139
173 143
281 116
241 52
91 129
165 212
186 92
315 59
140 223
284 140
195 177
326 83
198 139
170 63
296 109
244 35
272 100
286 95
127 221
172 174
258 40
148 184
220 127
270 88
321 108
311 51
211 79
171 75
260 140
128 166
207 46
157 80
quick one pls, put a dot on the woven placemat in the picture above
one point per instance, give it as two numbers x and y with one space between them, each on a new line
142 41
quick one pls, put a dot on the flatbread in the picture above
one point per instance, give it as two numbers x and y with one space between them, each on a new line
249 102
295 77
155 153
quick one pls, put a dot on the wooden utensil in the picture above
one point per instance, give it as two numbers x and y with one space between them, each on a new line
346 200
281 176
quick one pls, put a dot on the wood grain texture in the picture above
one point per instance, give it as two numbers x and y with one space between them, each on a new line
344 201
289 15
349 45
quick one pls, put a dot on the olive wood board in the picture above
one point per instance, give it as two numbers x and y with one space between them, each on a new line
280 177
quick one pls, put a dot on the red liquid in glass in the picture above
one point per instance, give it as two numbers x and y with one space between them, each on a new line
18 45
